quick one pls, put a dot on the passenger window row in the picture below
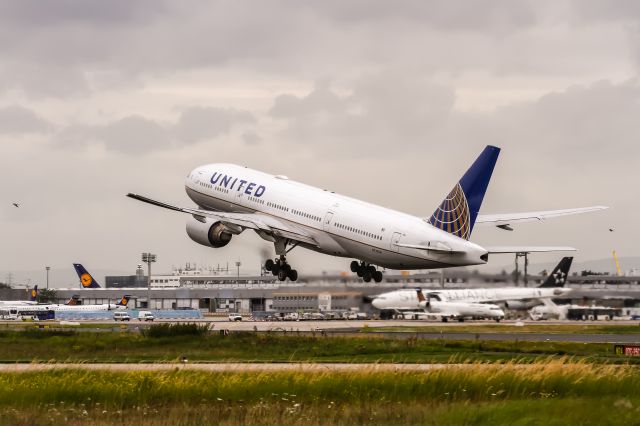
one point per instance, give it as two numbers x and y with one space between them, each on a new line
307 215
278 206
256 200
220 189
359 231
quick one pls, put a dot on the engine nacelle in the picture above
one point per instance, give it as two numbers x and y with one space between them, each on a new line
208 233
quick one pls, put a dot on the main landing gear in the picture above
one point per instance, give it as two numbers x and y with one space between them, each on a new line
281 269
366 271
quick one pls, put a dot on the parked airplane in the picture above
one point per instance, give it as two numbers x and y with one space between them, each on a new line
233 198
452 310
46 307
33 296
511 297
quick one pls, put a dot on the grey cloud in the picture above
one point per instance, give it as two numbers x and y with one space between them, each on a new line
251 138
136 134
144 37
200 123
15 120
382 109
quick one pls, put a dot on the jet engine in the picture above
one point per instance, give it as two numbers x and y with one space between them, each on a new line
208 233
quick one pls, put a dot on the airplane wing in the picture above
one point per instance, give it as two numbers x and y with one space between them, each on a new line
238 222
526 249
505 220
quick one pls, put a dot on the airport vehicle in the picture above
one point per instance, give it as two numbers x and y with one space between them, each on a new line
235 317
145 316
233 198
121 316
551 310
511 297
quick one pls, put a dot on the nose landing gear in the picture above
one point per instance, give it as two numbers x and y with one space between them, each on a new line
366 271
281 269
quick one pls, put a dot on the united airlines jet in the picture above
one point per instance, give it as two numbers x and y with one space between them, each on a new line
232 198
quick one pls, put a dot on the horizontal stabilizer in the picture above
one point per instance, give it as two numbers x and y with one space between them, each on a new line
526 249
503 220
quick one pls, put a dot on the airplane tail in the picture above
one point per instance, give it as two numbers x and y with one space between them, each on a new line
124 301
86 279
33 295
558 276
457 213
74 301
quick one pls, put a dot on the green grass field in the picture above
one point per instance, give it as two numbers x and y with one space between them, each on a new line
70 346
541 393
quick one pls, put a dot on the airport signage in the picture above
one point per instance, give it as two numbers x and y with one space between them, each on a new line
629 350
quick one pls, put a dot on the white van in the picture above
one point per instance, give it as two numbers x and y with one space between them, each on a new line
145 316
121 316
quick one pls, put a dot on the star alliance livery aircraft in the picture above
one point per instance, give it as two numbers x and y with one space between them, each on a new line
233 198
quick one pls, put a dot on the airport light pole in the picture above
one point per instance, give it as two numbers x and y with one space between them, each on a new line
238 266
47 268
148 258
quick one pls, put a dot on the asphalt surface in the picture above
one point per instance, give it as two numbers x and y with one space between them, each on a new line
355 327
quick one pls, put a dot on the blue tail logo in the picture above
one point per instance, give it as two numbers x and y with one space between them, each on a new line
33 296
86 279
124 301
457 213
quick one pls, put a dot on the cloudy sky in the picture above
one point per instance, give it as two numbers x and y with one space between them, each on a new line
385 101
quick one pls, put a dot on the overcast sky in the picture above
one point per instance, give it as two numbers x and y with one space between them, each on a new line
384 101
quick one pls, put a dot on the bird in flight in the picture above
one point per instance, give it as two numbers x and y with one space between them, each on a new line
16 204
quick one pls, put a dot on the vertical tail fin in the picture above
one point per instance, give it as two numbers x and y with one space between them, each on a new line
457 213
33 295
86 279
558 276
74 301
124 301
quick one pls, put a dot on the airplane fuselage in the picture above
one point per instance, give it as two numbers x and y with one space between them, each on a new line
341 226
407 298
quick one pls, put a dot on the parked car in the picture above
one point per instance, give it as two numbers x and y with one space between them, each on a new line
145 316
235 317
121 316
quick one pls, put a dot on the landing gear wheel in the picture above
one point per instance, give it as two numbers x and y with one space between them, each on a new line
286 268
366 276
293 275
377 276
282 275
268 265
360 272
275 269
354 266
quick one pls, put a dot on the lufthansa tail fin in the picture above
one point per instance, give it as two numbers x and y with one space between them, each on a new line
124 301
86 279
457 213
33 295
558 277
73 301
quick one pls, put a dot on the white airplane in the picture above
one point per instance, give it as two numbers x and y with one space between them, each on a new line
511 297
233 198
33 295
453 310
71 305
